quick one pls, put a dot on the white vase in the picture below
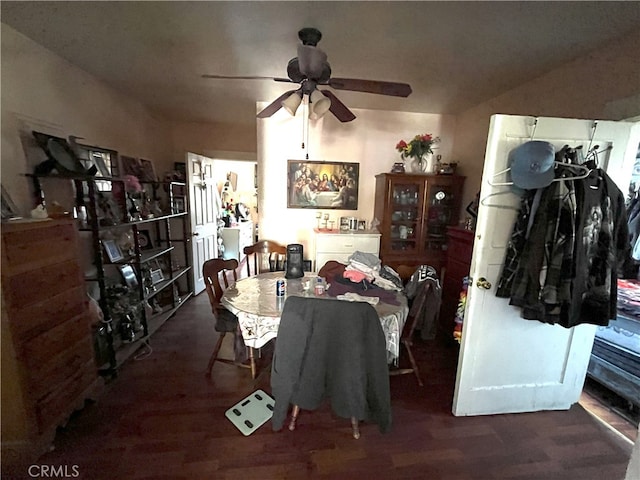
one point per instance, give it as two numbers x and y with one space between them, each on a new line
425 166
429 163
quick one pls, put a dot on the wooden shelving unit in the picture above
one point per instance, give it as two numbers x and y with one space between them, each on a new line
153 242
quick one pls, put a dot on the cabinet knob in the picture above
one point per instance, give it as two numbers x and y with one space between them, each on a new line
196 234
483 283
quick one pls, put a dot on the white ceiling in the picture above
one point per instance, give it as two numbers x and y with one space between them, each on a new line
453 54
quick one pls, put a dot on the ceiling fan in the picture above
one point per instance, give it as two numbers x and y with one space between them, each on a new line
310 69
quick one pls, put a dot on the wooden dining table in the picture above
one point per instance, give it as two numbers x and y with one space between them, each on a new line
254 301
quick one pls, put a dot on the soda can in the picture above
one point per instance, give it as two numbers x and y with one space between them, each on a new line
280 288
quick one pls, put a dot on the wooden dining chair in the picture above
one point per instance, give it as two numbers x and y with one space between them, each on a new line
265 256
422 284
406 338
219 275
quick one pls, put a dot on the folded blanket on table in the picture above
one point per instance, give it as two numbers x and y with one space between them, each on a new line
367 259
341 286
355 275
361 267
354 297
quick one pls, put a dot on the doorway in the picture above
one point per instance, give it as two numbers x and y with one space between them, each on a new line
612 388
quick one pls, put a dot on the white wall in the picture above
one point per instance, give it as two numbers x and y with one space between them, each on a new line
369 140
214 140
42 91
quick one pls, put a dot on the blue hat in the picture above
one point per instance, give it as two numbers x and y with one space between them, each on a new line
532 164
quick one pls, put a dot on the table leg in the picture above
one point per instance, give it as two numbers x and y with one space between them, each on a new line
252 359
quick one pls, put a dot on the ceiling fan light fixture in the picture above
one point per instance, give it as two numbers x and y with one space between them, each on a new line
292 102
318 105
311 69
311 61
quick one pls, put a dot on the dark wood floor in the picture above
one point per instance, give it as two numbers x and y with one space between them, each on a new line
161 418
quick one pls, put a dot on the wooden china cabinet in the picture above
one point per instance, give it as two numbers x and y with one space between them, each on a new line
414 212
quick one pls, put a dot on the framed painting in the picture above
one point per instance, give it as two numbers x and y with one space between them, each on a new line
325 185
144 239
148 173
130 166
113 250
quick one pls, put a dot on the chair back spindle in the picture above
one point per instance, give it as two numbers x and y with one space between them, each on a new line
265 256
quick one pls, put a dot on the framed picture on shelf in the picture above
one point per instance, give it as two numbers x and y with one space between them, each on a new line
112 250
181 168
325 185
156 276
144 240
100 160
147 172
130 166
105 160
178 205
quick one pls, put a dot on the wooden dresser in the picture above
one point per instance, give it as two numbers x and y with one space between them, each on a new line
48 366
457 266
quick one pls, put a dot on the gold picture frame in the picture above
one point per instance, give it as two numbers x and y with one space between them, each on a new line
322 185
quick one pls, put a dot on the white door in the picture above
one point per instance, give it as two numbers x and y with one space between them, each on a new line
508 364
204 206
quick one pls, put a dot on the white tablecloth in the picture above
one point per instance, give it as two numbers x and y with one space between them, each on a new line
253 300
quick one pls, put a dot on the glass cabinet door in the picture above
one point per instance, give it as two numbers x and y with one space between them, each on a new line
405 216
440 205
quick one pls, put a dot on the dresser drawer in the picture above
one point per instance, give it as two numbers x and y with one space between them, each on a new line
37 318
42 348
52 408
348 243
35 286
45 376
32 249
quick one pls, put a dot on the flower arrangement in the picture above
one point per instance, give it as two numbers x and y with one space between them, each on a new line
132 184
419 146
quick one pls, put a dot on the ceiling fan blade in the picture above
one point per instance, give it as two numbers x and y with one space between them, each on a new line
274 106
371 86
231 77
338 108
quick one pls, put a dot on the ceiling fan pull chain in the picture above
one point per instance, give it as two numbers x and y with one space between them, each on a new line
306 121
303 126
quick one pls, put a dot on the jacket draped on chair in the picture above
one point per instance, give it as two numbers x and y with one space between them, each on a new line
335 349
